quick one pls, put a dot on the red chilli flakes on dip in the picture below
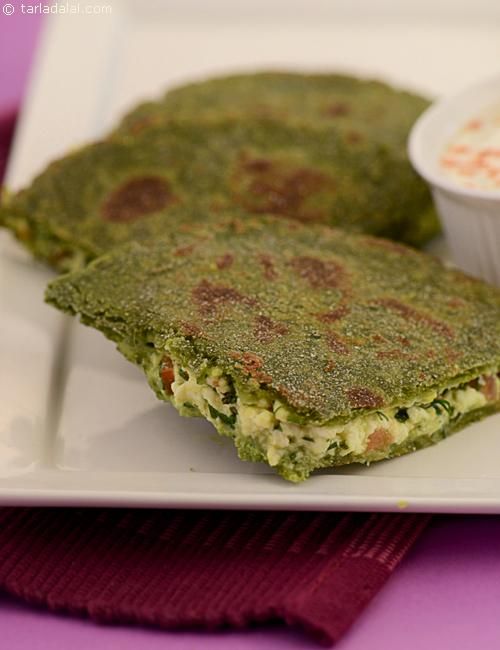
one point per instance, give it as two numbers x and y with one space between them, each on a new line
472 157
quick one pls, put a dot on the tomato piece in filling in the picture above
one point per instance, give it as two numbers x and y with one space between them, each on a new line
379 439
489 388
167 374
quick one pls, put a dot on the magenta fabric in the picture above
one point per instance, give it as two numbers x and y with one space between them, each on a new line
207 569
443 596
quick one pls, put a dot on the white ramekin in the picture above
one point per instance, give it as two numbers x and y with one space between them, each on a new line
470 217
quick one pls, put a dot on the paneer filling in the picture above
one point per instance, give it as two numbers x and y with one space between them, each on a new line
269 422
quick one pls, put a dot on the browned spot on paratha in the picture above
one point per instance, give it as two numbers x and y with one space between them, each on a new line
266 330
209 297
410 313
266 186
334 314
184 251
268 266
336 343
251 364
224 261
259 165
318 273
189 329
338 109
136 198
354 137
392 354
360 397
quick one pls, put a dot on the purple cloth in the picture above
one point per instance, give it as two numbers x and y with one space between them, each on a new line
444 595
185 569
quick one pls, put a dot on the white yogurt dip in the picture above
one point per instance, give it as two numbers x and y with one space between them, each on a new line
472 157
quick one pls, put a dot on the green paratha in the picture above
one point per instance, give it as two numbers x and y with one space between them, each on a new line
308 346
357 108
132 188
374 109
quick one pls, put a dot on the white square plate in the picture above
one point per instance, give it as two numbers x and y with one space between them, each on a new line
78 424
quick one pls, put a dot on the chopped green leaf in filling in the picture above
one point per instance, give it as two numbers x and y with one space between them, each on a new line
401 415
271 431
439 404
227 419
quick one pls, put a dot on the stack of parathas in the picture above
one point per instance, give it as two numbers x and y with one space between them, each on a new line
310 346
321 148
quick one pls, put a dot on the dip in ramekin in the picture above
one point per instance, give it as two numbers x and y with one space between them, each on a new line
455 146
